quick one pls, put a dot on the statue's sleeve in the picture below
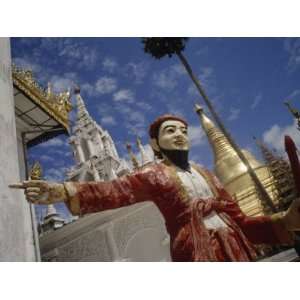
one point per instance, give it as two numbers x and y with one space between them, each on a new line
260 229
89 197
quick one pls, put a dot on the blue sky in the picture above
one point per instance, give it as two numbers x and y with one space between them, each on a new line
124 89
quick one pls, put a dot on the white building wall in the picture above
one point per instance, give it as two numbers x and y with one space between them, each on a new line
16 236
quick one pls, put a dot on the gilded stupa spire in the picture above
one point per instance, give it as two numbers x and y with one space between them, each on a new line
217 140
227 163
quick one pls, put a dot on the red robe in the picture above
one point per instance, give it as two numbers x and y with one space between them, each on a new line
190 240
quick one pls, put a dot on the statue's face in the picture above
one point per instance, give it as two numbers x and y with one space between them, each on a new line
173 135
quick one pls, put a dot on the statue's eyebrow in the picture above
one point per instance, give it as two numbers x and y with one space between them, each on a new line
168 126
173 126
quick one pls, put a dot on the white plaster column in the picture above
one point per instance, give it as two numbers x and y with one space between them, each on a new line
91 147
95 173
106 145
99 139
113 148
16 231
79 151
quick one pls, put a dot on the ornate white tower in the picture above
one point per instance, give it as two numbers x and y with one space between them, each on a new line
145 157
94 150
51 221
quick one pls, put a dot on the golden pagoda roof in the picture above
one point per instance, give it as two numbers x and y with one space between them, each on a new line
57 105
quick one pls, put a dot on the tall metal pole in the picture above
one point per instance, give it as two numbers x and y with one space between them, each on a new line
257 182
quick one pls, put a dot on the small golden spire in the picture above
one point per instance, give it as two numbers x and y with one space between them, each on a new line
132 156
36 172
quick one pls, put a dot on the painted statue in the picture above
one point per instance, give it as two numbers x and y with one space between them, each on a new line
204 222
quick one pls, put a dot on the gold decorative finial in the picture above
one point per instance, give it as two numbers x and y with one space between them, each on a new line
36 171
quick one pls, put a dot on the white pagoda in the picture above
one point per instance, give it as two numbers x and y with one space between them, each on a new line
95 153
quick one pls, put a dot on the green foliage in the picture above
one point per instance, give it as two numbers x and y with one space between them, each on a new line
159 47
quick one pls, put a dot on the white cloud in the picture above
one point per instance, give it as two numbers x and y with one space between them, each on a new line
87 88
293 94
292 46
45 158
89 58
164 81
234 114
55 174
74 52
196 135
201 51
26 64
106 85
275 136
104 110
124 95
256 101
143 105
61 84
134 121
136 71
207 80
109 64
179 69
53 143
108 120
168 78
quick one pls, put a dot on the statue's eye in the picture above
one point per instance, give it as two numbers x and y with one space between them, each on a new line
170 130
184 131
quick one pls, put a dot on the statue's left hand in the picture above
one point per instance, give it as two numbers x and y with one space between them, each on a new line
292 216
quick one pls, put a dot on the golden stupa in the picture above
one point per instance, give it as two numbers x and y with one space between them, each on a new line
233 173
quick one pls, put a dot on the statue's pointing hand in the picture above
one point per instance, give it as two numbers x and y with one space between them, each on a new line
42 192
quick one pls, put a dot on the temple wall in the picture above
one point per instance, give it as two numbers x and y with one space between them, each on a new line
16 237
132 233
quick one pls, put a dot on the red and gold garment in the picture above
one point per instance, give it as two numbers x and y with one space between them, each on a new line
190 239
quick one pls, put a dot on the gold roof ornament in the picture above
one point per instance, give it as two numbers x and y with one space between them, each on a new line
57 105
36 172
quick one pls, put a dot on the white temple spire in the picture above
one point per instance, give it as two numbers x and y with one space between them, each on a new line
82 112
94 149
145 158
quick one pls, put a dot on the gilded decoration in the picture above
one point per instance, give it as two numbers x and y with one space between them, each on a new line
36 172
57 105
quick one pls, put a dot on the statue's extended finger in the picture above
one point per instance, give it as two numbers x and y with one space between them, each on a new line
17 186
